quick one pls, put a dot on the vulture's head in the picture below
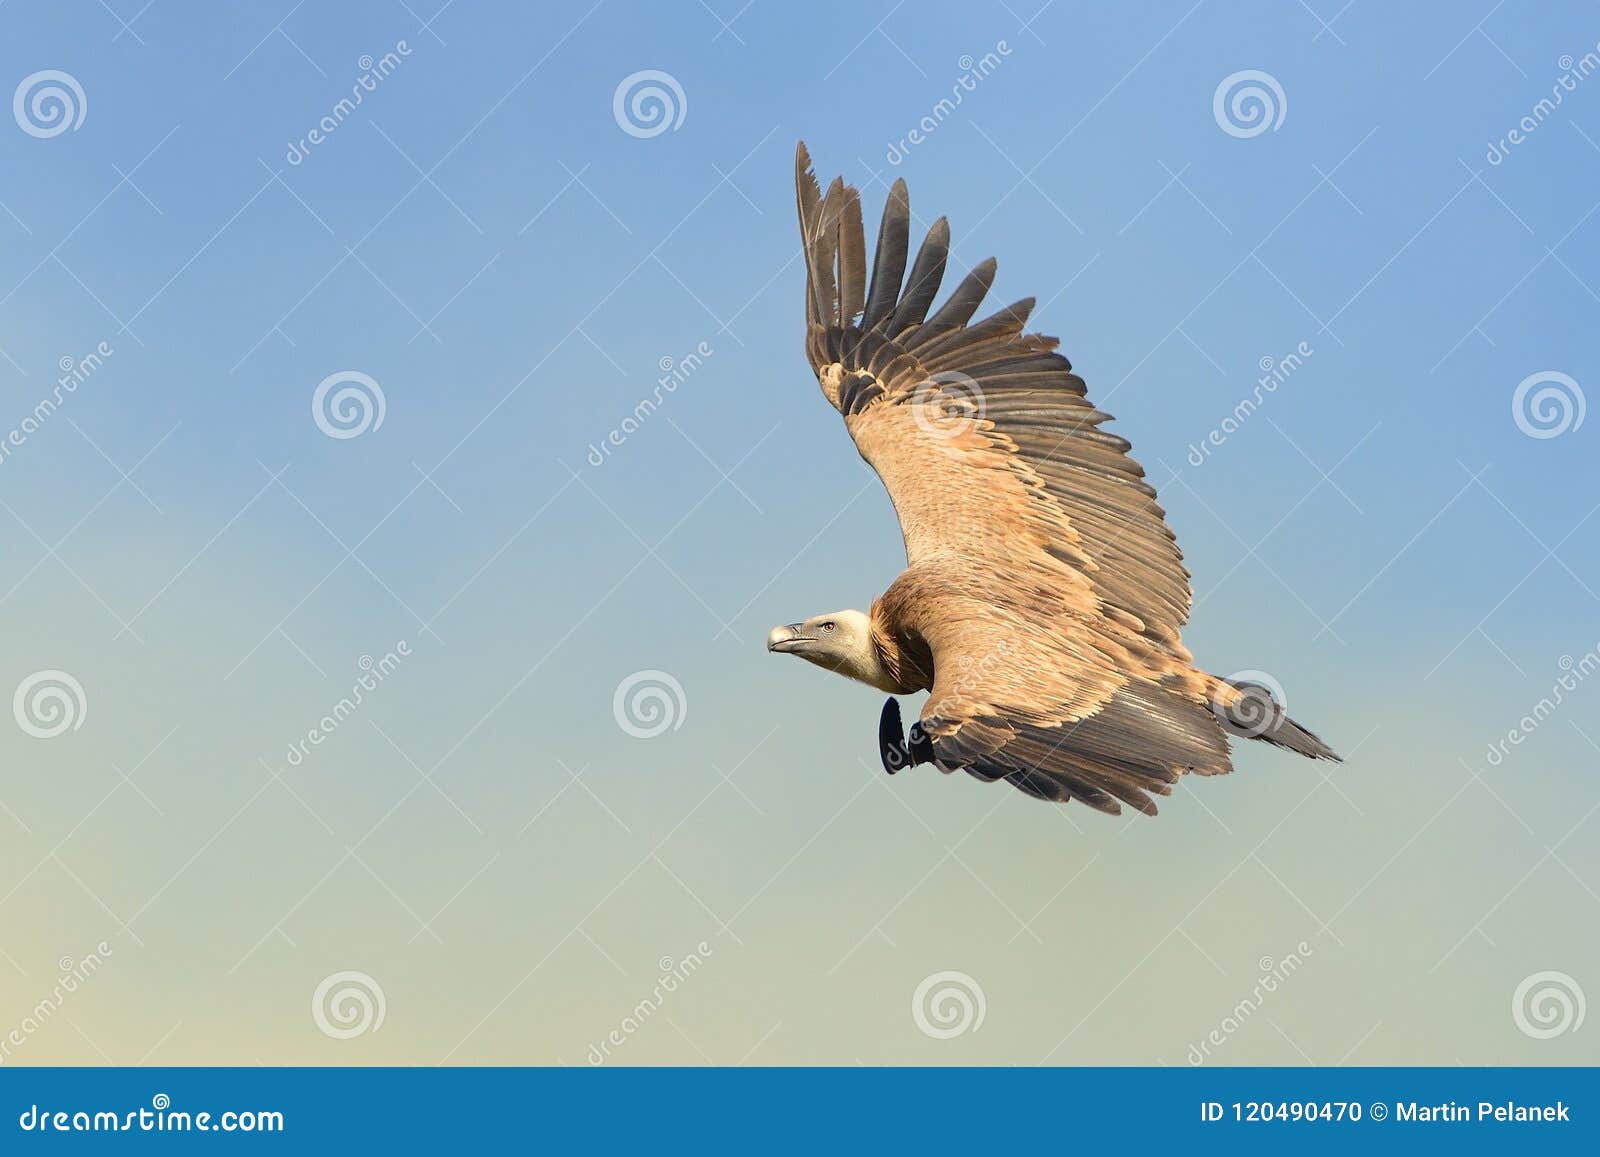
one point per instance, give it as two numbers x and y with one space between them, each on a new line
841 641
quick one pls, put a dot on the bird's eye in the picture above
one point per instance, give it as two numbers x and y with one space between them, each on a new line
827 628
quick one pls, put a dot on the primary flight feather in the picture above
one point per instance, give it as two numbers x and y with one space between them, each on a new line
1043 595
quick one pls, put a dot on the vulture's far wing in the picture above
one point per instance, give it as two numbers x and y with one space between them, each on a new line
1029 531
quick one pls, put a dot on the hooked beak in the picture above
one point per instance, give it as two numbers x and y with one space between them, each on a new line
785 639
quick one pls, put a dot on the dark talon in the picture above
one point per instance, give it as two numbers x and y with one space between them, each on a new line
892 746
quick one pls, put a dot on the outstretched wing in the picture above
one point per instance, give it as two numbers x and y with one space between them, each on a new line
1029 530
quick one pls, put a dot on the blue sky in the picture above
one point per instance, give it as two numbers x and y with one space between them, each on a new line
483 239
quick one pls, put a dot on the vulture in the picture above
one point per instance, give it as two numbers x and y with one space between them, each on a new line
1043 595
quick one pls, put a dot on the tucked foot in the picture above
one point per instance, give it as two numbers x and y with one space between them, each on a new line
893 749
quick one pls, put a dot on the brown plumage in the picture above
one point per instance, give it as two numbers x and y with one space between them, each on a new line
1044 594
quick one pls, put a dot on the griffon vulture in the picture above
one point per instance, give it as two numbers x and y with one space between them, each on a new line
1043 593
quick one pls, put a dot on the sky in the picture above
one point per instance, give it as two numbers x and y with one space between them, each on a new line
397 493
